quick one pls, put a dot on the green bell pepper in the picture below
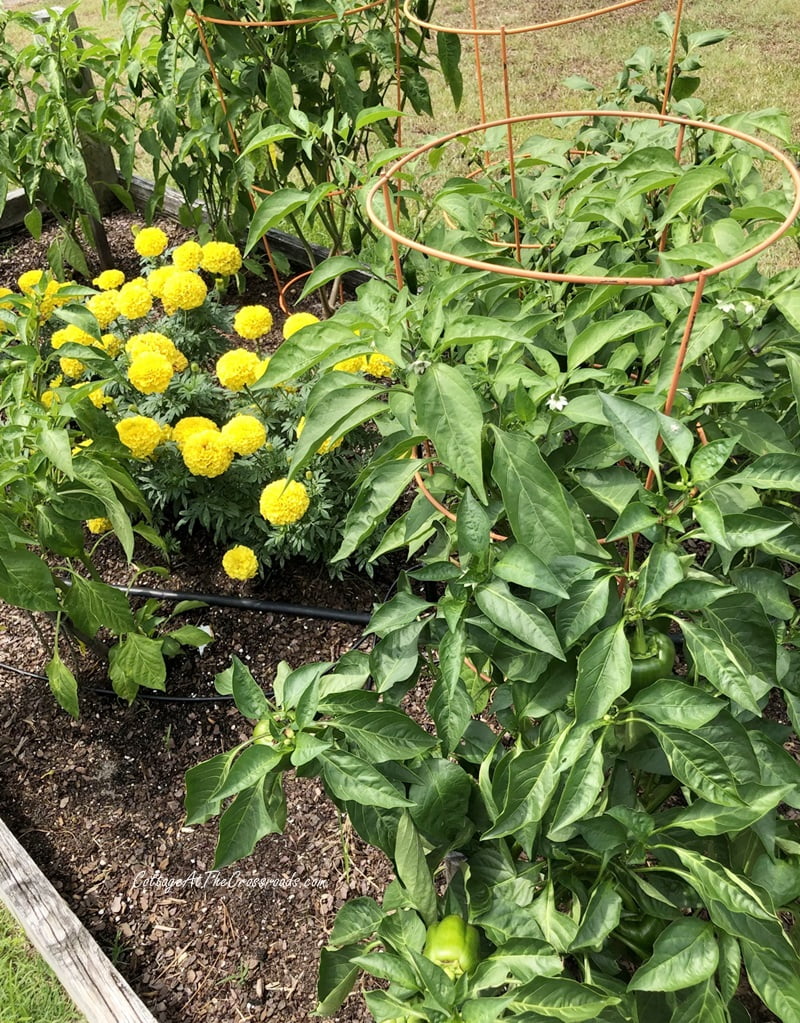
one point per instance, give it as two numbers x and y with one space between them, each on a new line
454 945
652 657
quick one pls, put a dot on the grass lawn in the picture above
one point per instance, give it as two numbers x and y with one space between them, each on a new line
29 992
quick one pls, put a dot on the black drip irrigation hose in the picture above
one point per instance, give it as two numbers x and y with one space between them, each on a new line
330 614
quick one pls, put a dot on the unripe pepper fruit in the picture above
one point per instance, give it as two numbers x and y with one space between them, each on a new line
454 945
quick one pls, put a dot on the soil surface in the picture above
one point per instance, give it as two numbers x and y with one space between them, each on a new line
98 802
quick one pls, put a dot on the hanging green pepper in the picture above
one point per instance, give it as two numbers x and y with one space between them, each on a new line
652 656
641 934
454 945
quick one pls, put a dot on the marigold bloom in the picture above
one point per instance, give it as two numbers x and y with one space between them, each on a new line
140 434
205 453
71 334
356 364
99 526
329 444
111 345
150 373
72 368
135 301
380 366
221 258
3 293
183 289
188 255
27 282
296 322
150 241
244 434
252 321
49 396
157 278
99 398
188 426
51 299
108 280
104 307
283 503
152 341
239 368
240 562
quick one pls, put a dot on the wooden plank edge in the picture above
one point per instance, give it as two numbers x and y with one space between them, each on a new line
85 973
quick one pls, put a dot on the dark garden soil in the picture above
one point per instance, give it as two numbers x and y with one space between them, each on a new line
98 802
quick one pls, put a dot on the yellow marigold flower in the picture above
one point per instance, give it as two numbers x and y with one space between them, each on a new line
141 435
111 345
252 321
108 280
71 334
296 322
150 241
239 368
48 397
244 434
99 398
27 282
357 364
98 526
380 366
240 562
72 368
157 278
183 289
104 307
80 446
51 299
152 341
187 256
150 373
135 300
282 503
221 258
206 454
188 427
3 293
329 444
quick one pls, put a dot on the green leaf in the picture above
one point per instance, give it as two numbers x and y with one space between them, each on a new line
330 270
449 412
724 667
771 472
56 446
25 581
774 977
534 500
396 657
694 186
247 694
63 684
697 763
268 136
246 821
587 603
249 768
271 212
449 704
472 526
33 222
280 95
136 661
374 501
384 734
413 870
403 609
519 617
202 781
670 702
448 48
521 566
92 605
581 788
440 795
708 460
357 919
337 977
603 332
635 427
604 674
660 572
371 115
350 778
559 998
600 918
684 954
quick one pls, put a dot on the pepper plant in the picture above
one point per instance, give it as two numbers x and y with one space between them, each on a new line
600 605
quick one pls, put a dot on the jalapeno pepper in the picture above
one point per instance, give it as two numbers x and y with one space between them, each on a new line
454 945
652 656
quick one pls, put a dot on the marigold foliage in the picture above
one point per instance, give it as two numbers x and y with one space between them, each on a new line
150 242
283 503
150 373
239 368
252 321
141 435
205 453
240 562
